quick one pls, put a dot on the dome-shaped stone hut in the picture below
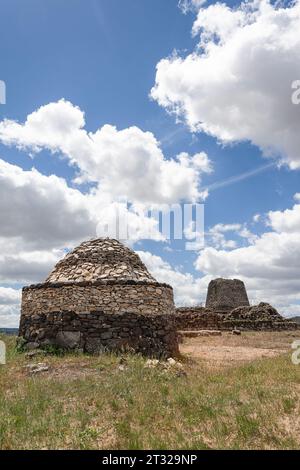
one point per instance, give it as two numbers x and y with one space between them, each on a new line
100 297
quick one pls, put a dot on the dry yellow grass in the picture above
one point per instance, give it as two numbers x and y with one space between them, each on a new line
91 403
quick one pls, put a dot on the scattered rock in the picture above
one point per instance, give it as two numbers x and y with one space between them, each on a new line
236 332
172 363
151 363
102 258
169 364
262 317
262 311
36 368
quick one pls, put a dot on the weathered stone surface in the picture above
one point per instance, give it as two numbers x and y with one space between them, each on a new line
259 317
223 295
37 352
153 336
32 345
94 345
262 311
101 297
36 368
262 317
196 318
98 259
68 339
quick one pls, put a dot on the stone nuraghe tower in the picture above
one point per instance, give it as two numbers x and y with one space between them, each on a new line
224 295
100 297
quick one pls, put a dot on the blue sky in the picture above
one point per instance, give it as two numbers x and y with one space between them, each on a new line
101 55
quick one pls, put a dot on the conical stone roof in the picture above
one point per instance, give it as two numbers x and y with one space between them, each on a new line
103 259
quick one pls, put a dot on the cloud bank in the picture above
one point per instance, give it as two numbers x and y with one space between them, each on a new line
237 84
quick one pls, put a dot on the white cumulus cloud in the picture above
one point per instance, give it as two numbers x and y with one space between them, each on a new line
41 216
125 163
269 265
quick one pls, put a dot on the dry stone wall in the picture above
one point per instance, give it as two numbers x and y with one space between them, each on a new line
109 297
101 316
262 317
262 311
258 317
196 318
223 295
96 332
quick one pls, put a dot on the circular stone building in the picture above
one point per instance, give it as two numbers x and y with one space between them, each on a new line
223 295
100 297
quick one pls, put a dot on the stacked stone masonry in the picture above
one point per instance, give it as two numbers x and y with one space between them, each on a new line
196 318
262 317
97 332
110 297
100 297
101 259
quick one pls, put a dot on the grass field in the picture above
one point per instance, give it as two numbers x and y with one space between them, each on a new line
110 402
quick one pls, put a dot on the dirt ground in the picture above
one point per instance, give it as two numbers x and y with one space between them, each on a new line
229 349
